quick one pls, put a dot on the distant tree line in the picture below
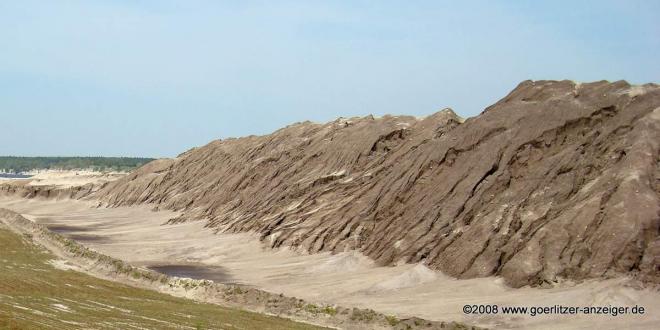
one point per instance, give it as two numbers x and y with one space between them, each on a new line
11 164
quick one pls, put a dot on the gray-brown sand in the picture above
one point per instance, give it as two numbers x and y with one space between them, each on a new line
138 235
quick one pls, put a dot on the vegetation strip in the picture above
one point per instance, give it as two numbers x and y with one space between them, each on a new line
12 164
36 295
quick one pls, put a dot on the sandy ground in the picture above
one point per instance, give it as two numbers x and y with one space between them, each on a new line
66 179
137 235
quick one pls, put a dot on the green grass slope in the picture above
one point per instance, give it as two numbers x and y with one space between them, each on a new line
36 295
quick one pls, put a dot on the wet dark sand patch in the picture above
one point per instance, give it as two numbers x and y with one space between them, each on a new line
85 238
76 233
65 229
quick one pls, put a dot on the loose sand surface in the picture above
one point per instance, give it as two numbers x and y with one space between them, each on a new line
139 236
65 179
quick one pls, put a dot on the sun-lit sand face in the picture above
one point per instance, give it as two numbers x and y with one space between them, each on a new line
73 178
138 235
65 179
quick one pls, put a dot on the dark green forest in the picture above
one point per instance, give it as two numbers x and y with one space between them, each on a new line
13 164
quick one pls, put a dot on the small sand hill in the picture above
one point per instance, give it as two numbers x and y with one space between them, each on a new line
415 276
343 262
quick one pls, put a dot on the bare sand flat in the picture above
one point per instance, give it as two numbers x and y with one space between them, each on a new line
138 235
65 178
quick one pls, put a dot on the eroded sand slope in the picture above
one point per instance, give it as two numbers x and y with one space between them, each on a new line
556 180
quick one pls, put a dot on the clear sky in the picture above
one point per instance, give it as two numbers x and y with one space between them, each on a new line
155 78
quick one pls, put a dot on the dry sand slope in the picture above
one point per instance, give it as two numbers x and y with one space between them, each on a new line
137 235
556 180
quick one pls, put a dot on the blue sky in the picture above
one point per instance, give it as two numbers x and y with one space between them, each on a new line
155 78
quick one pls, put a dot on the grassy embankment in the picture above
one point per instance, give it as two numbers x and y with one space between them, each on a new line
36 295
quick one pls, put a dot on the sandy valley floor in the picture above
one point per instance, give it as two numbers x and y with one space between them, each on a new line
137 235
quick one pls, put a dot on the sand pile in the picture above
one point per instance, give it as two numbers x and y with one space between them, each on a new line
410 278
556 180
